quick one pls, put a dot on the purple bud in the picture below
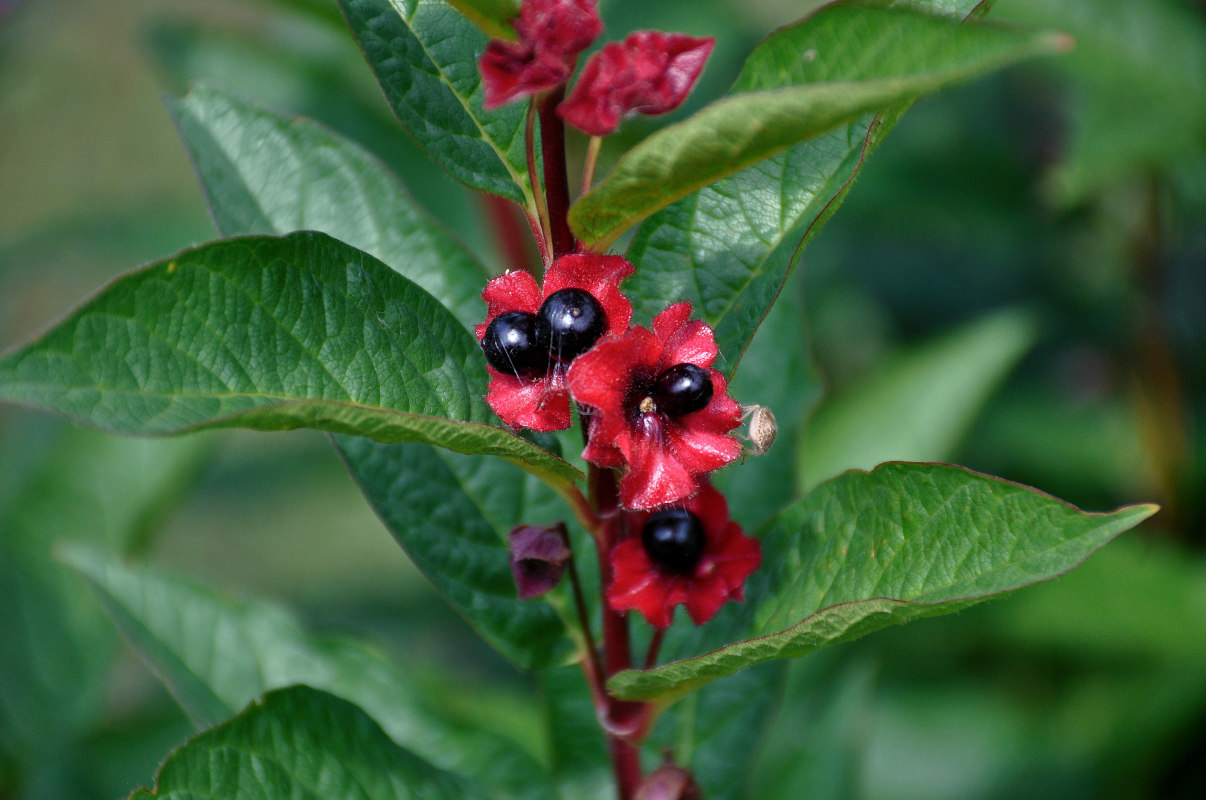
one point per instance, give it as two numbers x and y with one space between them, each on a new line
538 556
669 782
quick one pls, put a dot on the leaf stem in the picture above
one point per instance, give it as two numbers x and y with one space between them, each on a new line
556 179
592 158
592 666
542 208
581 507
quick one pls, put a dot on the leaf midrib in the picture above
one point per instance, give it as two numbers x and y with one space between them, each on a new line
485 136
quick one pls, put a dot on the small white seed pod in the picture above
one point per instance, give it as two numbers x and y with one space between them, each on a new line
762 428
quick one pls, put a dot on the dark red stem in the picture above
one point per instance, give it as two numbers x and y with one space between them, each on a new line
624 721
556 179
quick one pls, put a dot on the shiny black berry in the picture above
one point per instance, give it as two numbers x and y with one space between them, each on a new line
517 343
682 389
576 320
674 540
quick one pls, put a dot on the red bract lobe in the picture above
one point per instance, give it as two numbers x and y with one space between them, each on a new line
663 453
729 558
649 73
542 402
551 34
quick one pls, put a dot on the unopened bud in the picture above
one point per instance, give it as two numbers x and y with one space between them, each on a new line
538 557
669 782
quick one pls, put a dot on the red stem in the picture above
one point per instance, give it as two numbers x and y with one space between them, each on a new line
624 721
556 179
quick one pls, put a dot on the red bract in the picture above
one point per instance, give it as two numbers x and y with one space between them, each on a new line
649 73
542 403
551 34
728 559
662 453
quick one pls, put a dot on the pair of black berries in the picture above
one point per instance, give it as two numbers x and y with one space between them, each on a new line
674 540
526 345
567 324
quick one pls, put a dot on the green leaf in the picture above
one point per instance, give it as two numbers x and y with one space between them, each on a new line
424 55
579 762
729 247
301 743
872 549
270 334
917 405
217 653
451 514
492 16
1139 599
819 739
265 174
107 492
794 99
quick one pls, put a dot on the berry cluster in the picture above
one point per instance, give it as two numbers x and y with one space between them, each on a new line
655 414
652 407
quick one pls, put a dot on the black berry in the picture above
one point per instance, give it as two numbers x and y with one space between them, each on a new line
576 320
682 389
517 343
674 540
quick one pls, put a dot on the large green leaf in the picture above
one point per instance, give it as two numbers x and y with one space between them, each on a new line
915 406
301 743
270 334
217 653
795 97
871 549
85 487
729 246
819 739
479 499
424 54
451 514
264 173
492 16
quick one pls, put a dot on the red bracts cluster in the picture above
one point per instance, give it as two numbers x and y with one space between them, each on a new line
648 73
551 35
652 407
654 579
638 420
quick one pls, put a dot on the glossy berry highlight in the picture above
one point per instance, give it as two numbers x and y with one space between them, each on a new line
682 389
674 540
517 343
575 320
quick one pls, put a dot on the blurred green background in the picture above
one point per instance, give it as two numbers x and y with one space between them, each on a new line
1017 283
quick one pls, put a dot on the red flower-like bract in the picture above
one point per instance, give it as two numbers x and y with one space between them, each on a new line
729 558
542 403
649 72
663 453
551 34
